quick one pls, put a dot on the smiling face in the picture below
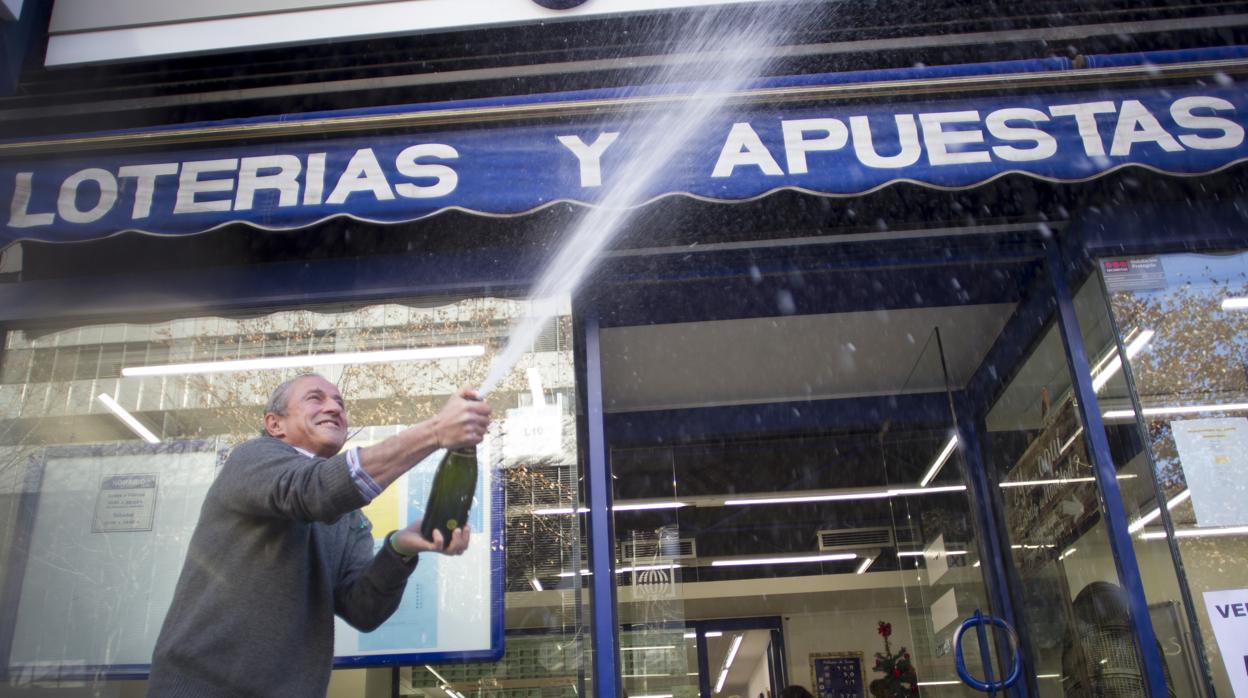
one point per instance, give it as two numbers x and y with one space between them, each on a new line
315 419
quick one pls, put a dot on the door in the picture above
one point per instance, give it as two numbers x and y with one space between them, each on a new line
863 447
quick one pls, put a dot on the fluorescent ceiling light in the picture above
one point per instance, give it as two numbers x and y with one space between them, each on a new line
646 568
802 499
1070 441
1178 409
732 654
846 496
940 461
866 562
1068 553
306 360
1198 532
134 424
919 553
583 573
647 648
1115 363
1234 303
643 506
536 584
1148 518
1054 481
638 506
939 683
436 675
907 491
709 633
785 560
732 651
1058 481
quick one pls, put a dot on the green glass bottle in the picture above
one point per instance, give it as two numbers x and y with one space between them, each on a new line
450 495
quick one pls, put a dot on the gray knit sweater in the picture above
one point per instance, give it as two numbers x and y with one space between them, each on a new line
279 549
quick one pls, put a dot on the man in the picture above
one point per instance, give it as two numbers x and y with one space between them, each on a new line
280 548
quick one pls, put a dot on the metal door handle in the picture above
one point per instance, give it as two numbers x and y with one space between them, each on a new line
978 620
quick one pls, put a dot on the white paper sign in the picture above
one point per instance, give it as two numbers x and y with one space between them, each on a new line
125 502
1214 454
533 432
1228 613
936 560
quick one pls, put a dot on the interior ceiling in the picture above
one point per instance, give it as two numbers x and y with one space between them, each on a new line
802 357
753 650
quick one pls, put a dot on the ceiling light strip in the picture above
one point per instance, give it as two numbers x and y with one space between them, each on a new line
1115 363
1178 409
308 360
1198 532
785 560
1148 518
939 463
135 425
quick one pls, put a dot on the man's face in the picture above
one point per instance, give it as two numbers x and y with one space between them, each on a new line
315 419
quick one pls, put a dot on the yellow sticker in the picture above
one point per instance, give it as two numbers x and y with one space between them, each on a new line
384 512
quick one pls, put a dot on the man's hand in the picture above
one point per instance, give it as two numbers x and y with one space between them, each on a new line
462 421
409 541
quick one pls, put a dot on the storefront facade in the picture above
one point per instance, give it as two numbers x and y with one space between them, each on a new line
867 353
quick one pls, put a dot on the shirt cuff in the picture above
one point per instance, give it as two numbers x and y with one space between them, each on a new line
363 481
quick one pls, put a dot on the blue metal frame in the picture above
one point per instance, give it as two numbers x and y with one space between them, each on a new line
603 628
985 508
1115 515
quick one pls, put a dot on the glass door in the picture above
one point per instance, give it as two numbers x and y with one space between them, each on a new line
782 445
1073 613
942 578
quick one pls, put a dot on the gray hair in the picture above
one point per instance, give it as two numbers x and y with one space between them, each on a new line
280 399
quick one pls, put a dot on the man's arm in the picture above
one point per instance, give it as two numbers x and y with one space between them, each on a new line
461 422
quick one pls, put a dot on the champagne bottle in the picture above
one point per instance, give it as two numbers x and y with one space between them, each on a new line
450 495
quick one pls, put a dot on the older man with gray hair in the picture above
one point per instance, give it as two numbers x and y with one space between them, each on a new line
281 547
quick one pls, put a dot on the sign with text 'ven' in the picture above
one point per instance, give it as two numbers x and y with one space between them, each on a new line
1228 614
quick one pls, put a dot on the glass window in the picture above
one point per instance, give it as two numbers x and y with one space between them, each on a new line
96 560
1177 415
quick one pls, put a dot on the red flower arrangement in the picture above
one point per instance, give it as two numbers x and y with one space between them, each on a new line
900 679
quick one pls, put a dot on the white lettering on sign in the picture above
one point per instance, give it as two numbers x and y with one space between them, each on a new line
1228 614
1232 133
590 156
816 146
445 178
363 174
998 124
744 147
796 144
938 140
909 147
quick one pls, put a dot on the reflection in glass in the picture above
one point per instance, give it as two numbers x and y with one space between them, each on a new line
1187 443
74 417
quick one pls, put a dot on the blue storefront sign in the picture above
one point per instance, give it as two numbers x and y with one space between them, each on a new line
738 154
